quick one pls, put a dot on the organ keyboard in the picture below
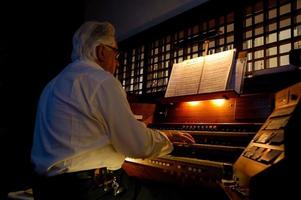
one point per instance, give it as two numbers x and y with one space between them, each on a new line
217 147
221 130
216 142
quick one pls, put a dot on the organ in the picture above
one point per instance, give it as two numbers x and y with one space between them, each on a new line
242 141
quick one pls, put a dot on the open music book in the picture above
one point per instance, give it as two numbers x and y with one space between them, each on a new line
207 74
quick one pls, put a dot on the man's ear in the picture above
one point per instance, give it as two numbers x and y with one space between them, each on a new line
100 52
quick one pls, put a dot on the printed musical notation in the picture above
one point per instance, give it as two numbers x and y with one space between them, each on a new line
205 74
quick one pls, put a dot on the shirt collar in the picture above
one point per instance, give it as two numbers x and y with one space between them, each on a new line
87 62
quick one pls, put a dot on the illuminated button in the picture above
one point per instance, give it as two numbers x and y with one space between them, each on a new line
189 168
179 166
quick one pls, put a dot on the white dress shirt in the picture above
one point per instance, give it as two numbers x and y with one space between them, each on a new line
84 122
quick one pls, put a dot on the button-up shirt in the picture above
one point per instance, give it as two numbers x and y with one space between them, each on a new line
84 121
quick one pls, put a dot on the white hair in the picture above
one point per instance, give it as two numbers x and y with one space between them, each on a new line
89 36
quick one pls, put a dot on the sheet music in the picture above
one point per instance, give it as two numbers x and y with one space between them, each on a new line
185 77
216 72
201 75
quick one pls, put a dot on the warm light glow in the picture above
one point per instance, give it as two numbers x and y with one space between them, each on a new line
218 102
193 103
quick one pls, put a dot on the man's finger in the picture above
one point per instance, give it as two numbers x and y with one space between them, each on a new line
188 138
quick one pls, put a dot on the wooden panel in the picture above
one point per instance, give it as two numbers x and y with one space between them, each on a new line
177 185
255 107
205 179
294 94
209 111
281 98
288 96
199 97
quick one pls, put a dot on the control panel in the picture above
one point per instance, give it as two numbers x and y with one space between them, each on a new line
264 169
268 146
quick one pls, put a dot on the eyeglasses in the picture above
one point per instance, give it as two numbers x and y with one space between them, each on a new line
116 51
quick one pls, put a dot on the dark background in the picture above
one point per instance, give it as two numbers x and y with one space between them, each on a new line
35 45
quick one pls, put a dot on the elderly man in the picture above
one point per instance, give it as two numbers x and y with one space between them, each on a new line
84 126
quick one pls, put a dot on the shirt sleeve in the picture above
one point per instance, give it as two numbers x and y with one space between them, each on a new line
128 135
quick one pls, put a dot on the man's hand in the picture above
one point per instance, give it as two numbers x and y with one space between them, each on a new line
181 137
